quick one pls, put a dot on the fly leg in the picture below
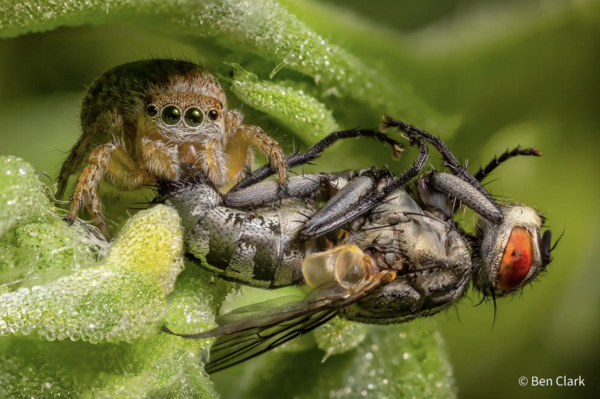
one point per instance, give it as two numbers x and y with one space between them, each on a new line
315 152
270 191
496 161
482 203
351 185
439 145
437 185
362 196
345 199
467 193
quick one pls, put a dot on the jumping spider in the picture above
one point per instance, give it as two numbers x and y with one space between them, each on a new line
142 120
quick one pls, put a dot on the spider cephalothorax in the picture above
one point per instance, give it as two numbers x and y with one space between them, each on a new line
141 120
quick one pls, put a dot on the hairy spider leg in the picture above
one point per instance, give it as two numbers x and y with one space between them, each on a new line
240 137
110 161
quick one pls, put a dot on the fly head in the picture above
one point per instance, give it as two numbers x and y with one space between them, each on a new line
512 253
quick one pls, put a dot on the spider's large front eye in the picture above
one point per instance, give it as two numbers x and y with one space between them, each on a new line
193 117
171 115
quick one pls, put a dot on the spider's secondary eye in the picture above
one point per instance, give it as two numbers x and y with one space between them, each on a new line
213 114
171 115
152 110
193 117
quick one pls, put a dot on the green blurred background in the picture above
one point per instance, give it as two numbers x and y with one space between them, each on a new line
501 74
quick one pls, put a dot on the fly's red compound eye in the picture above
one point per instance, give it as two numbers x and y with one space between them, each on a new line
516 261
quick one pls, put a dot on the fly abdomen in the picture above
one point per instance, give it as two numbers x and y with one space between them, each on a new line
255 249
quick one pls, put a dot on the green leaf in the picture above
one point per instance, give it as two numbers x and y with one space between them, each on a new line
121 298
301 113
21 194
401 361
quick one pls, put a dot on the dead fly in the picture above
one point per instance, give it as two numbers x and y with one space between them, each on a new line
140 121
373 252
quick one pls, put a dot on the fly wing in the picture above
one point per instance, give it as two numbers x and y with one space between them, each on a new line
240 346
257 309
242 338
